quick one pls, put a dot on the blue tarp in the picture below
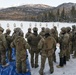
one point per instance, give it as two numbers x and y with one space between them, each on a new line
11 68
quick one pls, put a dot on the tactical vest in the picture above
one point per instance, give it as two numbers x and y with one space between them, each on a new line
48 43
66 39
35 40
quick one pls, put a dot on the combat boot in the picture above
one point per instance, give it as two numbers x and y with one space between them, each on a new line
58 66
64 60
61 63
32 65
73 57
41 72
36 66
51 71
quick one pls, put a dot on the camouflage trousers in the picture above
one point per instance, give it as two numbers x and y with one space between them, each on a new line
62 53
54 56
74 48
43 60
3 57
9 54
67 53
34 59
21 64
70 48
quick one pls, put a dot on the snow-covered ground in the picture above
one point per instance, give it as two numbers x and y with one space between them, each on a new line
68 69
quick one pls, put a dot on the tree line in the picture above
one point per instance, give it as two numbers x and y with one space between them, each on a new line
58 16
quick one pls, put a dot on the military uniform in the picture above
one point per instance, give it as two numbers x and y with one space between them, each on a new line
21 45
68 29
8 40
28 33
3 47
74 44
56 32
16 32
73 40
64 46
55 36
42 33
47 46
33 40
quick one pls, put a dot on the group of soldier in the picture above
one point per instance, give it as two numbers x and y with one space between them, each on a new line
43 44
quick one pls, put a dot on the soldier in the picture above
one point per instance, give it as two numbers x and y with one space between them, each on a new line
28 33
55 36
42 33
16 31
64 44
33 41
21 45
74 44
73 29
56 32
47 46
9 40
3 47
68 29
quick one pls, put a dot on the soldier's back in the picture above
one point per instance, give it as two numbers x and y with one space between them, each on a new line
20 43
34 39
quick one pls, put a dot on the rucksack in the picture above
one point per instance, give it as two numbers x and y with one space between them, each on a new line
48 43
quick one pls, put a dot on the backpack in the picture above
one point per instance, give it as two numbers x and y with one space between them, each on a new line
48 43
65 39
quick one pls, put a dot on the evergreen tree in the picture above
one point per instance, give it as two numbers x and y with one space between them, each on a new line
51 16
73 12
63 15
58 14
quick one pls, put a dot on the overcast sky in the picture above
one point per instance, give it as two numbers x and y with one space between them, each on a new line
8 3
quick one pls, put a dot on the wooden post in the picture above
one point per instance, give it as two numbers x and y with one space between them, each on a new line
46 25
8 25
58 25
21 25
40 25
53 25
35 24
14 25
0 24
30 26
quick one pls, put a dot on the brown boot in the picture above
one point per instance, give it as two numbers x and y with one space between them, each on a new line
58 66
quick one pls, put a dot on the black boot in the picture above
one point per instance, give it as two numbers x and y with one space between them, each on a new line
64 60
61 62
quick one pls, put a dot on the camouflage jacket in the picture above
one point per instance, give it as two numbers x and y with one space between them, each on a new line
47 45
3 44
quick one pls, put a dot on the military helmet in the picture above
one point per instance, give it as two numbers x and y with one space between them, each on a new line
52 30
8 30
73 26
68 29
55 27
47 30
43 28
35 29
17 29
29 28
1 29
63 29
